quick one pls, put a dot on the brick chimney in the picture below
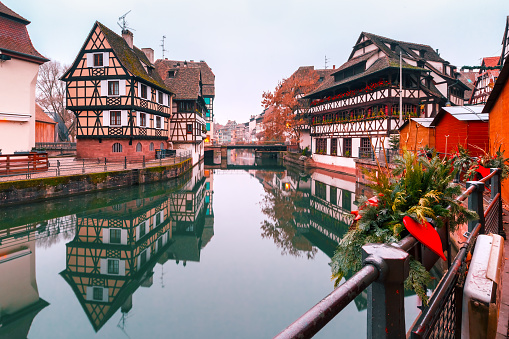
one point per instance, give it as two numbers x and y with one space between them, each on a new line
149 53
128 37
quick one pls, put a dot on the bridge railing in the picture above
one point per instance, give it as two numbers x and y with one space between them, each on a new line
385 270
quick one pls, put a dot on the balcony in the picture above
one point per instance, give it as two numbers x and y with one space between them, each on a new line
350 98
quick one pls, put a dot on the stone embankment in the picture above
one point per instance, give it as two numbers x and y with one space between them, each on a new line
30 190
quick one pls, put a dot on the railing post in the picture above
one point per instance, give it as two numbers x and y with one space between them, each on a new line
475 203
125 162
105 168
83 168
495 189
58 168
143 161
386 305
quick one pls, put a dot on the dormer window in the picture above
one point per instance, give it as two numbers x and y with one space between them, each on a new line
420 63
320 80
393 46
98 60
421 53
171 74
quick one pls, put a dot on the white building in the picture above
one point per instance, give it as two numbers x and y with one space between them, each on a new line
19 66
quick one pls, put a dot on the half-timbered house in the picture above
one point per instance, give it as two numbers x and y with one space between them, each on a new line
357 107
485 80
187 126
122 106
19 66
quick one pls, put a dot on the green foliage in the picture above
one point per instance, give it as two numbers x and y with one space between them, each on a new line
394 141
305 151
419 188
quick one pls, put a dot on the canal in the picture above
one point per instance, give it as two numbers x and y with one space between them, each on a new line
236 253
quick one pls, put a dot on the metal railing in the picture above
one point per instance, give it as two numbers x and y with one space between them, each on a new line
56 146
385 270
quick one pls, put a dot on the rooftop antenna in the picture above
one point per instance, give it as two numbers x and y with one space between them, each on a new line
326 59
124 23
162 45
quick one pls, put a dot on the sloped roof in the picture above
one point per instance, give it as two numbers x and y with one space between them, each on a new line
132 59
9 13
426 122
490 61
40 116
499 86
207 76
463 113
14 36
186 82
408 47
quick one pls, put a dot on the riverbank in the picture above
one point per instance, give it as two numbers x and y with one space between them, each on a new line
39 189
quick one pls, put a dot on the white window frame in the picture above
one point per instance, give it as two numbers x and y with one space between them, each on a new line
121 87
90 59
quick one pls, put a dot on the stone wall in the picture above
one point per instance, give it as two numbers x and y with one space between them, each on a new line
23 191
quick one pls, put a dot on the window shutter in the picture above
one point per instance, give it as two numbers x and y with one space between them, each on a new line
90 59
106 118
121 87
104 88
138 119
124 118
106 59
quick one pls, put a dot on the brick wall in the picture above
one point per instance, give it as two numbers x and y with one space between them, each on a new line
92 148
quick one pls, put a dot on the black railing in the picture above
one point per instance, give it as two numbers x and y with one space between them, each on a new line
386 308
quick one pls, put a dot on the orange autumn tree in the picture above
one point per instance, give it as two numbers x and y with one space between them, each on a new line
281 121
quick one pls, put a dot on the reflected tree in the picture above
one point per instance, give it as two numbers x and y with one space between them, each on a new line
283 212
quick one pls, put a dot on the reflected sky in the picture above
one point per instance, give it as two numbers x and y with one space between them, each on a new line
217 254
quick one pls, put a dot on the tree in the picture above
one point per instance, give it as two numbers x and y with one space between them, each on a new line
281 120
51 93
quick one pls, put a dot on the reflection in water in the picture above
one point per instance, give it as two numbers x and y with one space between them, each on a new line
116 247
112 249
19 297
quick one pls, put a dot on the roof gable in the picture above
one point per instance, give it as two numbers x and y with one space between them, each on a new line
14 37
462 113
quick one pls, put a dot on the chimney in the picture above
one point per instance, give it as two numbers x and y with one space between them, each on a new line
333 66
149 53
128 37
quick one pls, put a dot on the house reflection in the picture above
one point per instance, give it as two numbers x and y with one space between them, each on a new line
117 247
19 298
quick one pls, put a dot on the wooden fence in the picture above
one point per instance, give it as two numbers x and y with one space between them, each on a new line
23 163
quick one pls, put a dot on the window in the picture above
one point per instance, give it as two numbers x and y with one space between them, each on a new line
114 236
334 146
143 120
158 122
189 205
143 258
151 147
365 150
162 146
117 148
143 91
333 195
320 190
207 185
115 118
189 129
207 114
143 229
98 59
98 293
171 74
158 218
208 126
347 201
321 146
113 88
160 97
347 147
113 266
138 147
160 243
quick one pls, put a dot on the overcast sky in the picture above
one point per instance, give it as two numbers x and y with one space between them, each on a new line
252 44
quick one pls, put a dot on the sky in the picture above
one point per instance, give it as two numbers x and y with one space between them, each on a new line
252 44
